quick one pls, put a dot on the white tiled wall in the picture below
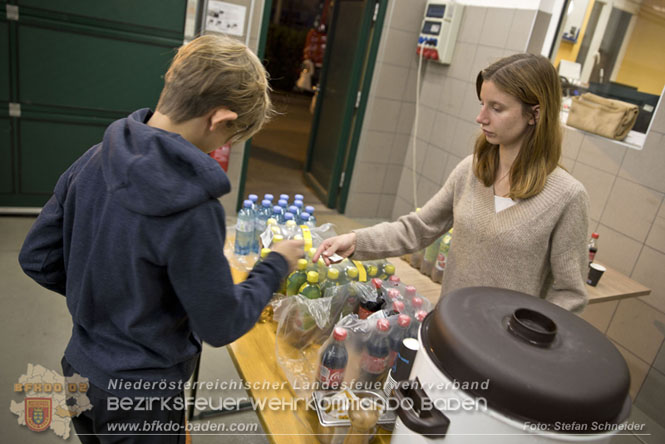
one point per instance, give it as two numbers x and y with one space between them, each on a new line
626 186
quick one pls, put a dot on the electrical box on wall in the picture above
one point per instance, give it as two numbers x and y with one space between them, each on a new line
439 29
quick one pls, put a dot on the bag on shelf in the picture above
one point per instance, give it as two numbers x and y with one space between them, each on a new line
606 117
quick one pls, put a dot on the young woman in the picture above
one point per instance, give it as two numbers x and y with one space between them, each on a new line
520 220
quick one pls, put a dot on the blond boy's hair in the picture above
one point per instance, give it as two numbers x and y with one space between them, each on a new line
213 71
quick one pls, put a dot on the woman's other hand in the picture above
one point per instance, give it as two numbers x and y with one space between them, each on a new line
343 245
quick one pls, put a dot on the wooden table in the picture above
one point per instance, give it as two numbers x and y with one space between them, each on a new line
254 356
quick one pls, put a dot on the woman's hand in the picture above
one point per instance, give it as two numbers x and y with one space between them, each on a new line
343 245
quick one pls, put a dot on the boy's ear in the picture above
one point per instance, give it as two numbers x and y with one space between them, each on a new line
220 116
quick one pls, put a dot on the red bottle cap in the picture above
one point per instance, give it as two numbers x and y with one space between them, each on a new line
403 320
410 290
377 283
594 235
383 324
417 302
394 280
339 334
420 315
393 294
398 306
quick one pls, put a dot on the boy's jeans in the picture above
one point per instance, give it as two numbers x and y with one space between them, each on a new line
144 422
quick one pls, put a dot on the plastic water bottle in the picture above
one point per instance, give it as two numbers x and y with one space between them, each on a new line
304 218
278 214
296 215
263 213
299 205
254 198
245 230
312 219
285 206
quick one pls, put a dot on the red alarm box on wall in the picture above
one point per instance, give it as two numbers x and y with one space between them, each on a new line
221 155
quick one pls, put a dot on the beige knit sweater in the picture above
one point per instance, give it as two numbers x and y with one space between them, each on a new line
537 246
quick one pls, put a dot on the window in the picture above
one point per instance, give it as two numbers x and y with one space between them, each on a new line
613 48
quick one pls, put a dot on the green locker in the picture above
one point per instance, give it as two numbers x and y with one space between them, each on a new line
6 174
69 68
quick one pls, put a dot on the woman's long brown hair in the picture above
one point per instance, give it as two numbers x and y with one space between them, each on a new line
533 81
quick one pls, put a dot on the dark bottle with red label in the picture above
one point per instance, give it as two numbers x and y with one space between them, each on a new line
333 362
399 332
374 360
593 246
367 307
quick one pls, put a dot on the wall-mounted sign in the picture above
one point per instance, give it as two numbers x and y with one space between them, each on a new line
226 18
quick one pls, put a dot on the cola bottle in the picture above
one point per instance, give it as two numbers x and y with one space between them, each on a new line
395 337
333 362
416 305
415 325
393 294
369 306
374 359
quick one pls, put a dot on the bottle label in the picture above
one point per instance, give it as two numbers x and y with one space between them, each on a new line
373 364
362 274
245 225
331 377
389 385
441 261
592 255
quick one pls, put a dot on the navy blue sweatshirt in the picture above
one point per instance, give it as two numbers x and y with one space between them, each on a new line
133 237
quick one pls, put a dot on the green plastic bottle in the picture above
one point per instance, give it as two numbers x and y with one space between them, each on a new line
311 289
388 270
297 278
372 271
331 282
351 273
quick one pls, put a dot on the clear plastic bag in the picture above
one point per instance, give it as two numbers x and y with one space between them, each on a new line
305 327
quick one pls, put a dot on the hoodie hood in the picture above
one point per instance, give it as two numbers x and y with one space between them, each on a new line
155 172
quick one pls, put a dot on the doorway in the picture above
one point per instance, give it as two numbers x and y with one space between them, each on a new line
320 55
293 56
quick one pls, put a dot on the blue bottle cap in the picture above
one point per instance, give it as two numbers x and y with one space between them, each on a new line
269 197
298 197
253 197
266 203
277 209
304 216
309 209
284 196
247 204
282 203
298 203
288 216
293 209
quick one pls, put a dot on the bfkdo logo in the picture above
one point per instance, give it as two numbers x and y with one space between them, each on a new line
37 413
50 400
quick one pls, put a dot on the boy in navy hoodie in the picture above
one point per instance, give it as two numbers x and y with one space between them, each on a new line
133 238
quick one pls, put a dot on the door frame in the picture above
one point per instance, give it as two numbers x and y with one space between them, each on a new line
362 70
260 52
